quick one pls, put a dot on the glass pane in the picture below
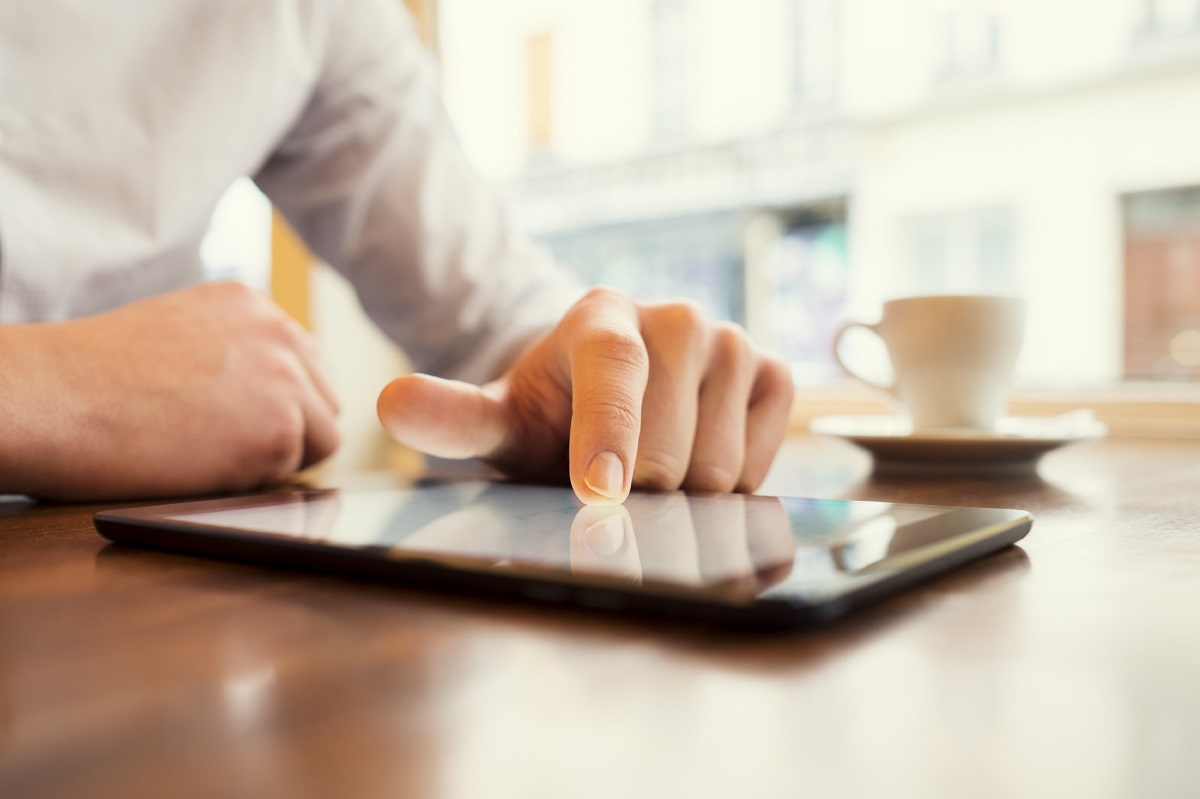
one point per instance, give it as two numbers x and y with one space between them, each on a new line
697 258
1162 284
807 272
1173 16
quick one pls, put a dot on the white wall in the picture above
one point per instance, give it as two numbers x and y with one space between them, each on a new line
600 90
739 84
741 80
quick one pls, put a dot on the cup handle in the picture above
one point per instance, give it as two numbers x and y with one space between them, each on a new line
837 355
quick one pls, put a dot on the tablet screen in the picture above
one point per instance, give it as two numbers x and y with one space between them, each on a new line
745 545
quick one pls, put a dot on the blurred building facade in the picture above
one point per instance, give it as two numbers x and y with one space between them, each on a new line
788 163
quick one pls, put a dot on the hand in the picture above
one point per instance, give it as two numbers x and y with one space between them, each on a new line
211 388
618 394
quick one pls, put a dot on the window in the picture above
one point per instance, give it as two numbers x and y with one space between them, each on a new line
1162 284
964 252
1170 17
807 271
671 68
698 257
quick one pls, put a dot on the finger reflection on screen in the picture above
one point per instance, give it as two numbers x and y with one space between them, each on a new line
770 539
666 538
603 542
742 543
721 544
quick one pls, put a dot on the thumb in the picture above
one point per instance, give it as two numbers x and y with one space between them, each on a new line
443 418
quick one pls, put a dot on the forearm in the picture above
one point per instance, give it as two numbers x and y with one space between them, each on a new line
34 428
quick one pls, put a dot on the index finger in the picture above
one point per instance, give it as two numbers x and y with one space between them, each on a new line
609 368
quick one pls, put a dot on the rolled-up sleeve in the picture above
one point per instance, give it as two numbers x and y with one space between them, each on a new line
373 178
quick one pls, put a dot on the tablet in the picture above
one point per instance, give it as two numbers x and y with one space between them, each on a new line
747 559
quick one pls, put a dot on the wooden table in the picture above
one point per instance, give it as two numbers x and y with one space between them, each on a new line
1069 667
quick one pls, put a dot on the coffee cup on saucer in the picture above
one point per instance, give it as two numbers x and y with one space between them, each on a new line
953 357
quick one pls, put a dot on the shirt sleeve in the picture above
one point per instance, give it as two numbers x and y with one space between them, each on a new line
373 178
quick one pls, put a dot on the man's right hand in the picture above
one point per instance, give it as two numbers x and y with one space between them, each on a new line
211 388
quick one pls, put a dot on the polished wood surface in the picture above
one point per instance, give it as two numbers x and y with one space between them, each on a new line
1069 666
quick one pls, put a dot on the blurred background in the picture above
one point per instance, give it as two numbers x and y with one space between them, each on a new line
791 163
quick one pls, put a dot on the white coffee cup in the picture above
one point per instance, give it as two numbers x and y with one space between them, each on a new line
953 357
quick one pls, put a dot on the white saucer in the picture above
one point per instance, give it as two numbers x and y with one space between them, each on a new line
1011 450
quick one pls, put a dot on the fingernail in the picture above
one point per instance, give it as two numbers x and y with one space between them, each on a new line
606 475
607 536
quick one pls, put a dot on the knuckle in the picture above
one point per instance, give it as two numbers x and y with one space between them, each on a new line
235 292
711 477
617 346
597 303
731 345
601 294
684 323
281 327
281 442
322 449
776 377
286 369
658 471
749 484
614 412
591 303
684 314
332 443
300 340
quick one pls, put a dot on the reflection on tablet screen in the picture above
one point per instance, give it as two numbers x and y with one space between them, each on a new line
747 544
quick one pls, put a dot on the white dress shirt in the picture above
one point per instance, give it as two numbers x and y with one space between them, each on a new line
121 124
